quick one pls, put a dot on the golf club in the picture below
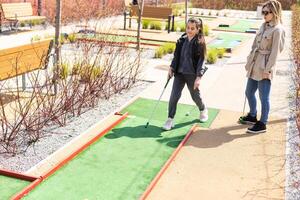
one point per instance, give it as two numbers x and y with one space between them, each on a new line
244 105
158 102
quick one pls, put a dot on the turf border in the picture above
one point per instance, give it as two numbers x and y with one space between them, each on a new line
16 175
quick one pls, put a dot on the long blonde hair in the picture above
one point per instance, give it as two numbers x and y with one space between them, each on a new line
276 9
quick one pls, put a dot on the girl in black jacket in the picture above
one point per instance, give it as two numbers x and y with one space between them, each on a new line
187 67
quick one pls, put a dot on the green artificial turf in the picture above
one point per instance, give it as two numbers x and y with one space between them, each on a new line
123 163
227 40
241 26
10 186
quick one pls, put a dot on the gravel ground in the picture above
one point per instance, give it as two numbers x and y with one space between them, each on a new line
62 135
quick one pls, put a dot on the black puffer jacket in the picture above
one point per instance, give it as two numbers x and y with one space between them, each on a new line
197 53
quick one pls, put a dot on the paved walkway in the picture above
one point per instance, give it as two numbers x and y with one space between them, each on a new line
224 162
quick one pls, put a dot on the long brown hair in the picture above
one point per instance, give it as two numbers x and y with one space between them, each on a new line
199 26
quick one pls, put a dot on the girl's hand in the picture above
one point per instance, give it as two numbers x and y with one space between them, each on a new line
170 73
266 75
201 40
197 83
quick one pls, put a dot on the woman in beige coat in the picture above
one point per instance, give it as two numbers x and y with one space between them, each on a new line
268 43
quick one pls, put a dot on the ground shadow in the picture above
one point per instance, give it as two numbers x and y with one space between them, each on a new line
151 131
211 138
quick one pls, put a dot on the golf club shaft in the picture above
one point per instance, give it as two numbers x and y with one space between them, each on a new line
244 105
158 101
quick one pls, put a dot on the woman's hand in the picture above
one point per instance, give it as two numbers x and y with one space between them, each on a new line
197 83
266 75
170 73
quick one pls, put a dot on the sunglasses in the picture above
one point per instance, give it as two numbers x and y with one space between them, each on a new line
265 12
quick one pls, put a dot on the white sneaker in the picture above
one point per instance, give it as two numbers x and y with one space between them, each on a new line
169 124
203 115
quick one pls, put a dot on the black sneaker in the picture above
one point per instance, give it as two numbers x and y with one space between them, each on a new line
259 127
248 119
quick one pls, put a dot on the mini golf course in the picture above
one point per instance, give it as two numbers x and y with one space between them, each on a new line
227 41
241 26
123 163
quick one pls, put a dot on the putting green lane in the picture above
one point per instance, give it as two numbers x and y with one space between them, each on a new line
123 163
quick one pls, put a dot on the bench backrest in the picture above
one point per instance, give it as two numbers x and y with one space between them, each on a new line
22 59
11 10
152 12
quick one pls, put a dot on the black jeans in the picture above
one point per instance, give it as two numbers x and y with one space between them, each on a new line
179 82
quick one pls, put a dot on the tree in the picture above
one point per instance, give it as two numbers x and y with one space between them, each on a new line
140 12
57 43
39 7
186 12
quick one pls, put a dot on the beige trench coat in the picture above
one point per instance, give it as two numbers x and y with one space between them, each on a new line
268 43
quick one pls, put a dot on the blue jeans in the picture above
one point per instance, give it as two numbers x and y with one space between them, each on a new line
264 87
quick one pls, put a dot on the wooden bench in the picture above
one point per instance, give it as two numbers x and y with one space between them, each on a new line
152 13
23 59
14 13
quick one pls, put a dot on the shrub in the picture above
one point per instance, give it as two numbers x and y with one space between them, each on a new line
89 72
76 69
164 49
182 28
22 24
145 23
156 25
36 38
96 72
212 56
159 52
221 52
64 71
169 47
206 30
72 38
